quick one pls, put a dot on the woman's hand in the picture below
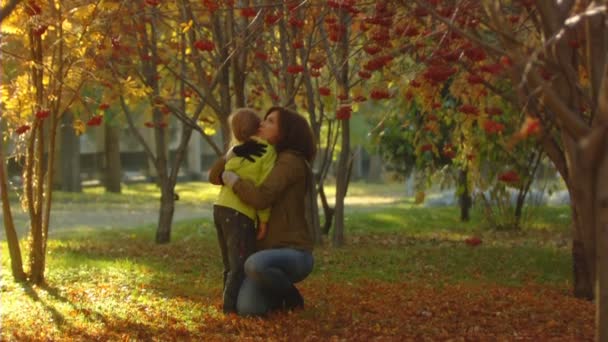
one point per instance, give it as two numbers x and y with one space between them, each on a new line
229 178
248 150
262 228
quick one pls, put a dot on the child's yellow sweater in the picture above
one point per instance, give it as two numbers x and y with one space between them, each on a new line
256 172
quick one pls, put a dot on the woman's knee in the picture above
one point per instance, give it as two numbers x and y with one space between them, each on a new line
253 266
251 300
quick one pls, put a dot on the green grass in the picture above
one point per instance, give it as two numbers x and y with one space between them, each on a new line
112 283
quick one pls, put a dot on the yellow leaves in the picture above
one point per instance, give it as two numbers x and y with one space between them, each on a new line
110 6
134 89
8 28
186 26
79 127
209 130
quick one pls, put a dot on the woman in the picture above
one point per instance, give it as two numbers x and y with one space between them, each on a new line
284 256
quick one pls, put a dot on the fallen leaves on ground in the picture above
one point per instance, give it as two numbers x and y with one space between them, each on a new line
360 310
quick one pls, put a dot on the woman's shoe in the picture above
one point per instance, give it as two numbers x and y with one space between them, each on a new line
293 299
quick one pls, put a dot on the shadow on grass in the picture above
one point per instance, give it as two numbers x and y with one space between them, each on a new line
112 326
58 318
192 260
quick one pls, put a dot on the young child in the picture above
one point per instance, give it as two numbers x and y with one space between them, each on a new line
235 221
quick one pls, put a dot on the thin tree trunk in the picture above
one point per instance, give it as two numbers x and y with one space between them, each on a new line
344 161
36 239
328 211
165 219
113 176
9 225
465 197
341 185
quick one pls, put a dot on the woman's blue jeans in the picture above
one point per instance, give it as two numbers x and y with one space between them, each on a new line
268 273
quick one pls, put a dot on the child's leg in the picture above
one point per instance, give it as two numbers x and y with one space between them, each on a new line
219 216
239 232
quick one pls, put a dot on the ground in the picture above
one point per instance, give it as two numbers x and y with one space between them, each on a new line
406 273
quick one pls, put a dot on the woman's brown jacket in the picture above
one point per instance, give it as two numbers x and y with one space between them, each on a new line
284 191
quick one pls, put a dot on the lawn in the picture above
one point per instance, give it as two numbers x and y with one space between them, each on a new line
405 274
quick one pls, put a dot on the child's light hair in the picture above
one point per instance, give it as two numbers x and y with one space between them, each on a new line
244 123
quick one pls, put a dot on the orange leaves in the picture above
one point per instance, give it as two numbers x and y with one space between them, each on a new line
364 74
380 94
261 55
95 120
473 241
22 129
43 114
531 126
510 177
295 69
468 109
372 49
344 112
204 45
475 54
361 310
439 73
493 127
211 5
378 63
248 12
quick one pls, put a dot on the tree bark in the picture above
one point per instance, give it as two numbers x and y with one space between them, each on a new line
165 218
601 257
9 225
580 183
113 169
341 185
465 197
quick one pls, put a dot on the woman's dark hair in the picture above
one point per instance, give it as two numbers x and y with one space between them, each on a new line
294 133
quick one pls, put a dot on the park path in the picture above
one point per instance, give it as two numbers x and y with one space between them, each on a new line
73 216
66 218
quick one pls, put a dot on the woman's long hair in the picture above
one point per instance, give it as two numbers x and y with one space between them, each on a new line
294 133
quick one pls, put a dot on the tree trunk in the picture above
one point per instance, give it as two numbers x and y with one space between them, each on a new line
113 169
341 185
344 160
465 196
328 212
312 209
601 258
581 187
165 219
9 225
70 156
36 179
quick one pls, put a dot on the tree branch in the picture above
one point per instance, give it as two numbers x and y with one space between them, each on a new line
8 9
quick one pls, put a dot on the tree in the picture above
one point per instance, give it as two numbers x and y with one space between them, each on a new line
47 68
554 56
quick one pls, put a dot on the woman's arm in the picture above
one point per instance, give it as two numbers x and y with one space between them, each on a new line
215 173
287 169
